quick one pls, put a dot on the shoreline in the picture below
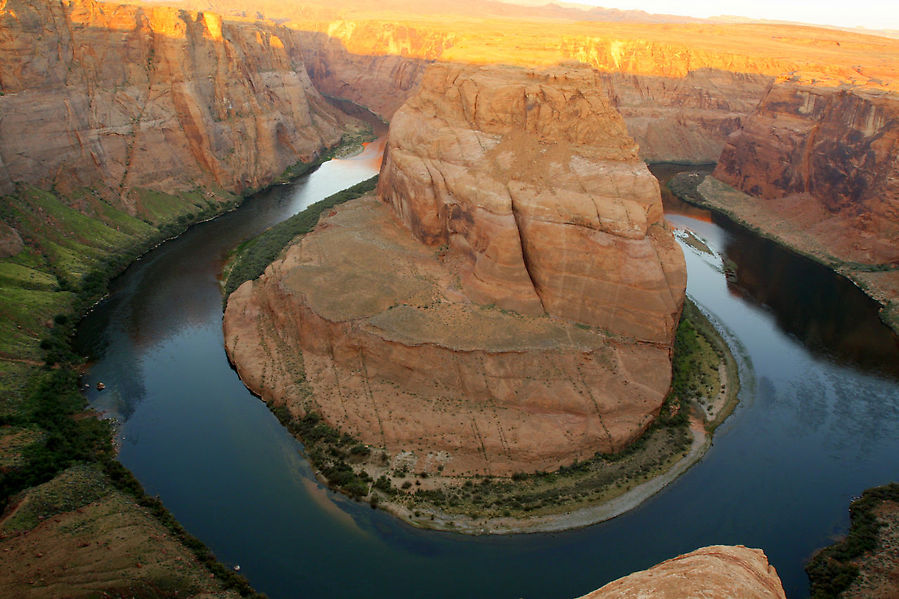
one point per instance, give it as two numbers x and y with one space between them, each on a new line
135 502
424 514
574 496
571 520
870 279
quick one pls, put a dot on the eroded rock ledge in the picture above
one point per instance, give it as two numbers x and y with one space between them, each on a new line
718 571
824 158
509 306
815 168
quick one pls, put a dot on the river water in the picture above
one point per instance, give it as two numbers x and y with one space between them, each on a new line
818 423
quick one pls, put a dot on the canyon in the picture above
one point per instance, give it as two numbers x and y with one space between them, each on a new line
816 168
131 101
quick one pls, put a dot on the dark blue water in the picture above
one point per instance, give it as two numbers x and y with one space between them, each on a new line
818 423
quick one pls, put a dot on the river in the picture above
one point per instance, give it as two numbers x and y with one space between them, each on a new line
818 423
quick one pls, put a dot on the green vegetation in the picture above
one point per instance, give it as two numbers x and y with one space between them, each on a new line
833 569
123 480
252 257
328 451
74 488
74 245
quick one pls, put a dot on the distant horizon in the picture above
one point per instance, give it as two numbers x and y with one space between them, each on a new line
870 14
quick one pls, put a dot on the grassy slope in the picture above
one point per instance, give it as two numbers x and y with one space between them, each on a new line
74 245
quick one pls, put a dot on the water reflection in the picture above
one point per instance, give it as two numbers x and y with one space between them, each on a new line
825 312
173 294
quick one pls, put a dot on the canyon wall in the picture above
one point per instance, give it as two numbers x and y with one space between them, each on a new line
121 97
685 117
688 118
532 184
824 159
715 572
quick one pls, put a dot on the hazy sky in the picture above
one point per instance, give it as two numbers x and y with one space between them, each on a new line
876 14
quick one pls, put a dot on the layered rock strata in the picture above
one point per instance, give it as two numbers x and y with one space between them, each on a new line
464 323
122 97
685 119
673 118
716 572
824 159
531 183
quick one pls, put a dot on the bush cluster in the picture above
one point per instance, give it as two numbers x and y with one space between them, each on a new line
831 570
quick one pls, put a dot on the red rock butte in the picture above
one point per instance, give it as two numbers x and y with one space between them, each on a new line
532 183
510 303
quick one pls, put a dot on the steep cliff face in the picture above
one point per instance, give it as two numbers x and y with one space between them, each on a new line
380 77
123 97
531 183
716 572
464 321
683 118
688 118
825 159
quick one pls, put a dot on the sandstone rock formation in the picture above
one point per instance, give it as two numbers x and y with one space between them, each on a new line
532 184
716 572
824 159
380 81
394 354
479 342
682 89
122 97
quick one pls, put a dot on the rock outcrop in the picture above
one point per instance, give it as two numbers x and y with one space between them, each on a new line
510 304
682 89
531 183
379 78
716 572
825 160
123 96
10 241
393 353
